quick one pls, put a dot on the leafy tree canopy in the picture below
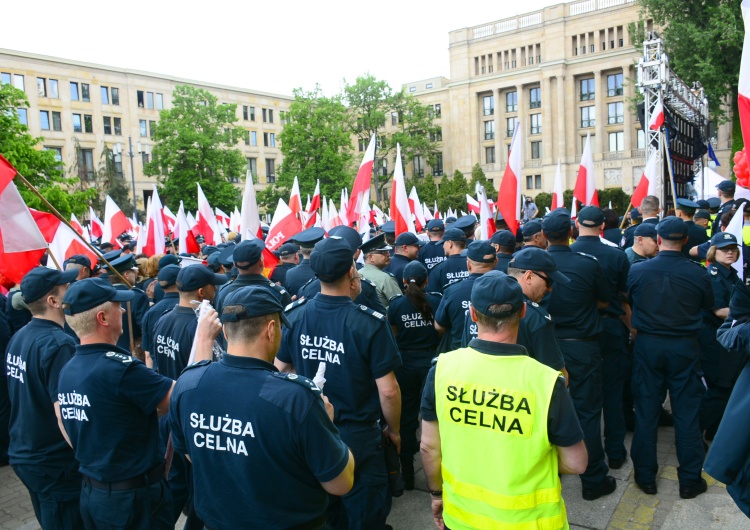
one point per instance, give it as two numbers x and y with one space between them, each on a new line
478 177
452 192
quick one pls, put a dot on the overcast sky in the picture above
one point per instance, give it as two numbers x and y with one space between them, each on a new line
271 46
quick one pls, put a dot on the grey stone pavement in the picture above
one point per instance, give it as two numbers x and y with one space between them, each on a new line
626 509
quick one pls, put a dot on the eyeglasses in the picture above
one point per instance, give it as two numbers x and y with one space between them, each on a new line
547 280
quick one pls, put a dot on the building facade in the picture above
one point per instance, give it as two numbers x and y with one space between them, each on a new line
78 108
565 72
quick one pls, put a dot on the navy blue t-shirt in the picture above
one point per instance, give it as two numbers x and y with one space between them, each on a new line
451 270
416 337
614 264
454 306
396 268
368 296
245 280
355 342
251 433
172 340
502 262
431 254
33 361
299 276
153 315
108 403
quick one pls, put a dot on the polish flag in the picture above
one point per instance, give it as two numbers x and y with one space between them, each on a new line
657 116
115 222
234 221
647 184
207 225
415 205
585 190
63 242
487 222
249 218
182 232
191 220
154 231
343 206
313 207
366 216
22 245
436 215
736 227
472 204
400 212
361 183
324 215
743 98
509 194
574 209
75 224
557 191
170 219
96 227
379 215
283 226
334 219
222 218
426 213
295 199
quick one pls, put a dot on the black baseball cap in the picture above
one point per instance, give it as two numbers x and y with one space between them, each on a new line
672 228
415 269
556 223
645 230
435 225
453 234
720 240
504 238
168 275
41 280
726 185
247 253
407 238
532 227
194 277
591 217
168 259
91 292
348 233
331 259
481 251
496 288
536 259
702 214
256 301
78 259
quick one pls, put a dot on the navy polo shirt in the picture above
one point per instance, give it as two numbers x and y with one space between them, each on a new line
613 235
153 315
33 361
356 344
368 296
451 270
415 334
172 340
502 262
696 236
615 266
396 268
573 305
668 294
138 306
431 254
451 313
299 276
563 428
722 282
251 433
279 273
108 402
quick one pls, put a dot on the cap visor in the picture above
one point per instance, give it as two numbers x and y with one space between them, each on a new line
559 277
123 296
67 276
219 279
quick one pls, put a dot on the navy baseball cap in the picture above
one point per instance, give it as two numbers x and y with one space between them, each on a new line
256 301
287 249
225 254
348 233
214 262
714 202
435 225
450 220
467 223
407 238
635 214
415 269
504 238
591 217
703 204
210 249
481 251
496 288
532 227
308 238
720 240
112 255
702 214
169 259
194 277
726 185
672 228
167 276
91 292
389 227
331 259
376 244
41 280
686 205
645 230
247 253
556 223
536 259
78 259
453 234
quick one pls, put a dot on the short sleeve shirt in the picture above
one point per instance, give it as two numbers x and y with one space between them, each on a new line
153 315
173 338
451 313
431 255
415 334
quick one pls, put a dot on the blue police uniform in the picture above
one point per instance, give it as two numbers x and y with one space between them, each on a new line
396 268
252 433
108 403
450 270
368 296
724 208
245 280
138 307
279 273
613 235
299 276
613 343
39 454
667 294
628 236
696 236
451 313
172 340
357 346
153 315
417 341
502 262
578 325
431 254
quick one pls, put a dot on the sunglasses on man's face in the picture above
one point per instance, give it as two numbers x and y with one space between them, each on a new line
549 281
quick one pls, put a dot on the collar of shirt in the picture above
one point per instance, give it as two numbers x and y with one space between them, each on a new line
250 278
99 348
559 248
248 363
497 348
669 254
726 272
589 239
170 295
182 310
332 300
44 323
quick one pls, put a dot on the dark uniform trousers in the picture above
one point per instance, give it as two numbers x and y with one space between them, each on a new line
367 505
411 377
615 367
583 360
55 494
145 508
659 363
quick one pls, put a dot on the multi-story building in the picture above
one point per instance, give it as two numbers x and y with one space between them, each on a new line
564 72
91 105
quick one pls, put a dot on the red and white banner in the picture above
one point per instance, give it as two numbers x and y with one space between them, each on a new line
486 221
436 212
182 232
313 207
472 204
96 227
221 218
295 199
283 226
361 183
509 194
325 221
656 120
63 242
743 98
154 230
557 190
334 219
170 219
426 213
415 205
585 190
647 184
400 212
206 224
115 222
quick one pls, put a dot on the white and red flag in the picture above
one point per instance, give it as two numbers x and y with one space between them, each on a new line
361 184
115 222
96 227
325 221
313 207
249 216
509 194
647 184
283 226
154 230
378 215
557 190
415 205
486 221
400 212
170 219
75 224
436 214
334 219
656 120
472 204
295 199
585 190
221 218
182 232
743 97
63 242
206 224
426 213
735 227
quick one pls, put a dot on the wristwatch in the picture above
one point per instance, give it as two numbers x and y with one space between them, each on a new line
436 493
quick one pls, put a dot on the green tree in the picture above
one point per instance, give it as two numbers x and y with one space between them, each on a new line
316 144
38 166
110 182
426 188
478 177
620 200
268 198
452 192
543 201
196 142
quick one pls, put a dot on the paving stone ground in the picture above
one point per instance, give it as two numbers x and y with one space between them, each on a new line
626 509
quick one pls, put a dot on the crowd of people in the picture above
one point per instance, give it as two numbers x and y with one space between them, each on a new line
498 360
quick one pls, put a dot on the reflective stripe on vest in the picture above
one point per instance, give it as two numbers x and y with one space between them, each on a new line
499 468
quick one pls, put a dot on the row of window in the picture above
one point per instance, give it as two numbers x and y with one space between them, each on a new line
251 138
252 166
615 114
587 87
511 101
85 160
419 166
507 59
248 114
608 38
535 126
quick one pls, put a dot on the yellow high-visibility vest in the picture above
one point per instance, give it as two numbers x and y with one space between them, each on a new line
499 468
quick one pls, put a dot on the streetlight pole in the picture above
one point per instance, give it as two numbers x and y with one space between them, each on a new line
141 150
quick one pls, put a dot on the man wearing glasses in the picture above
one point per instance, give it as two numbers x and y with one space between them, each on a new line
377 257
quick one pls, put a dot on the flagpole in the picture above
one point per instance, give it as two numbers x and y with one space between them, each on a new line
57 214
53 259
669 167
624 217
